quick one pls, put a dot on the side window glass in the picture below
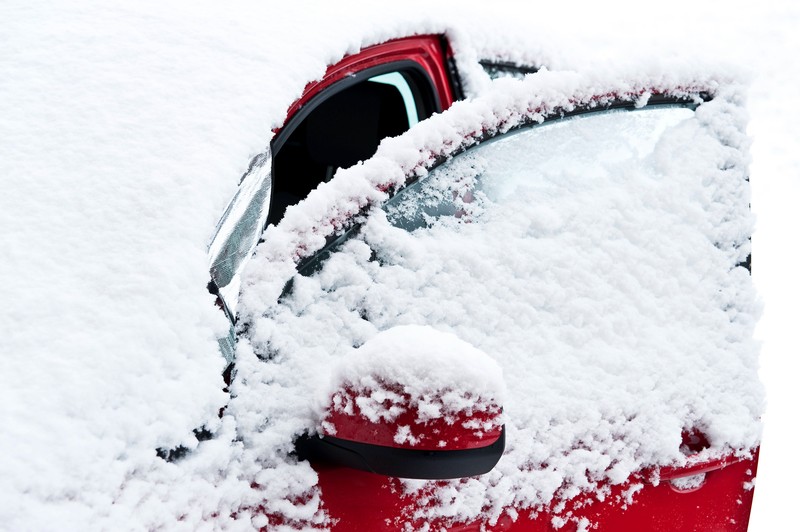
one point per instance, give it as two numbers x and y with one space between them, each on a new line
343 129
504 69
499 172
451 191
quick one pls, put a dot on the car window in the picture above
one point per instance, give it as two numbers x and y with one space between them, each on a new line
498 172
343 128
339 129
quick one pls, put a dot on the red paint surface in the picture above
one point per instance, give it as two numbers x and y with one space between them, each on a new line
425 50
358 500
463 430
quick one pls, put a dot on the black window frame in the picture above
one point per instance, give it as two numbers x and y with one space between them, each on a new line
423 90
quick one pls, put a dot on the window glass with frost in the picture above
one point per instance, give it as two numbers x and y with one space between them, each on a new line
595 259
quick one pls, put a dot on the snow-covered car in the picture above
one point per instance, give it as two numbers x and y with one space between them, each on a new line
558 268
449 301
379 92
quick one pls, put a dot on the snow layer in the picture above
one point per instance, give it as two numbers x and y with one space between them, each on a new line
125 131
426 374
609 293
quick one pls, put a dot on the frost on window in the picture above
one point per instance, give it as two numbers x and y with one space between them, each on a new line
594 259
505 69
451 194
549 156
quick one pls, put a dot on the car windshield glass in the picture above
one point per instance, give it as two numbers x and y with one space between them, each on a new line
593 258
240 227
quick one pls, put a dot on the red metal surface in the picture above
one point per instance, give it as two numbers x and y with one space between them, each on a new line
363 501
357 500
425 50
469 429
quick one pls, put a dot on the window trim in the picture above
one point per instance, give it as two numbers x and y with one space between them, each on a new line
310 264
431 52
420 83
405 66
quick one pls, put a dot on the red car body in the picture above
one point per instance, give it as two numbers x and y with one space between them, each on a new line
430 52
653 500
358 500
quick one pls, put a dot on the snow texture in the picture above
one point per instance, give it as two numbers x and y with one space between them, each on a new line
434 375
608 288
125 132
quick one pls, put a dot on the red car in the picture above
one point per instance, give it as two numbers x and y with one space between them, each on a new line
466 283
537 303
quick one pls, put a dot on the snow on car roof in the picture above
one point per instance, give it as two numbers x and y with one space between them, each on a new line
125 132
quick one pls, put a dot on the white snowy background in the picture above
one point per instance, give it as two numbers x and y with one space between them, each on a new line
760 37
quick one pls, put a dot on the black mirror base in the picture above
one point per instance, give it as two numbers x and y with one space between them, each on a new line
398 462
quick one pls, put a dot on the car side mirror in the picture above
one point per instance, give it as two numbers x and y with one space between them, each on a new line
412 402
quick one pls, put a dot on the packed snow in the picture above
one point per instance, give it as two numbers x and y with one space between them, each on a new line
125 132
605 282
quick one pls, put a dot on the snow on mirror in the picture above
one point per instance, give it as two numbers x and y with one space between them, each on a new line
595 260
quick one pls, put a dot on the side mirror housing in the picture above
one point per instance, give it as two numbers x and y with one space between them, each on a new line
412 402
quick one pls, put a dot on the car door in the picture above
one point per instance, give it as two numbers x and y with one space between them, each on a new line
338 121
586 234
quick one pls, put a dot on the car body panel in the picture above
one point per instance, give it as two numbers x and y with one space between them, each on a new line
357 500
